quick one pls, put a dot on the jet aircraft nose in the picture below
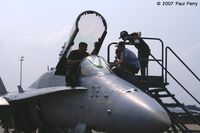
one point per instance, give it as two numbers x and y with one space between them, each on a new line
137 112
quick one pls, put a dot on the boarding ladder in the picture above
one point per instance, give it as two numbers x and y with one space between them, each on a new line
156 87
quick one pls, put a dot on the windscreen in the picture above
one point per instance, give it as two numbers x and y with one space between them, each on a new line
93 65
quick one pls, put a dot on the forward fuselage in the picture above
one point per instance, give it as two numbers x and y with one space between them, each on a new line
109 104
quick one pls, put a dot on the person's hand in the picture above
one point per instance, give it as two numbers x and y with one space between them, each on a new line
111 65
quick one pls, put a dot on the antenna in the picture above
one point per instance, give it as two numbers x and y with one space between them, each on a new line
47 67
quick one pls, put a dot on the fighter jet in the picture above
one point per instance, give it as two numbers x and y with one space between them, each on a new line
102 102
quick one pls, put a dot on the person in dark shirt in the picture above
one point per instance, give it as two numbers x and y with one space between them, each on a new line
142 47
73 61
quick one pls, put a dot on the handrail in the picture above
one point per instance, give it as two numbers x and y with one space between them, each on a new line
167 72
108 51
162 51
145 38
168 48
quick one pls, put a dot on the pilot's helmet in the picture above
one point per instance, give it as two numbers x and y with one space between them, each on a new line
123 34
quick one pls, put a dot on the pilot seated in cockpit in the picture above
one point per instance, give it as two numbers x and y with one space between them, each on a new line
73 61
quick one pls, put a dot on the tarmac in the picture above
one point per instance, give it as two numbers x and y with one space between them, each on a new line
1 131
191 126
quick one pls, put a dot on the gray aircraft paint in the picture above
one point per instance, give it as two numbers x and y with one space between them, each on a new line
103 101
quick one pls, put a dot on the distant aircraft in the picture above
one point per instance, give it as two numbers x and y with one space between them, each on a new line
102 102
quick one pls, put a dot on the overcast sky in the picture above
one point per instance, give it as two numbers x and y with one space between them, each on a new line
36 29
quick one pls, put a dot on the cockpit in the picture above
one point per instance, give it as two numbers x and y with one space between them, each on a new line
90 27
94 65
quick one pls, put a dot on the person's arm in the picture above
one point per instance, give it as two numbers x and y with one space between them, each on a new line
115 63
131 38
118 62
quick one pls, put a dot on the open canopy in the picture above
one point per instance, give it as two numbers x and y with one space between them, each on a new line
90 27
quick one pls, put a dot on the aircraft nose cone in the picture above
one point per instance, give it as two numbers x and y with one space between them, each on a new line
139 113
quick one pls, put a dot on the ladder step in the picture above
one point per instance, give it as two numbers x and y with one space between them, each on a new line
173 105
156 90
187 113
163 95
186 119
194 131
181 114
